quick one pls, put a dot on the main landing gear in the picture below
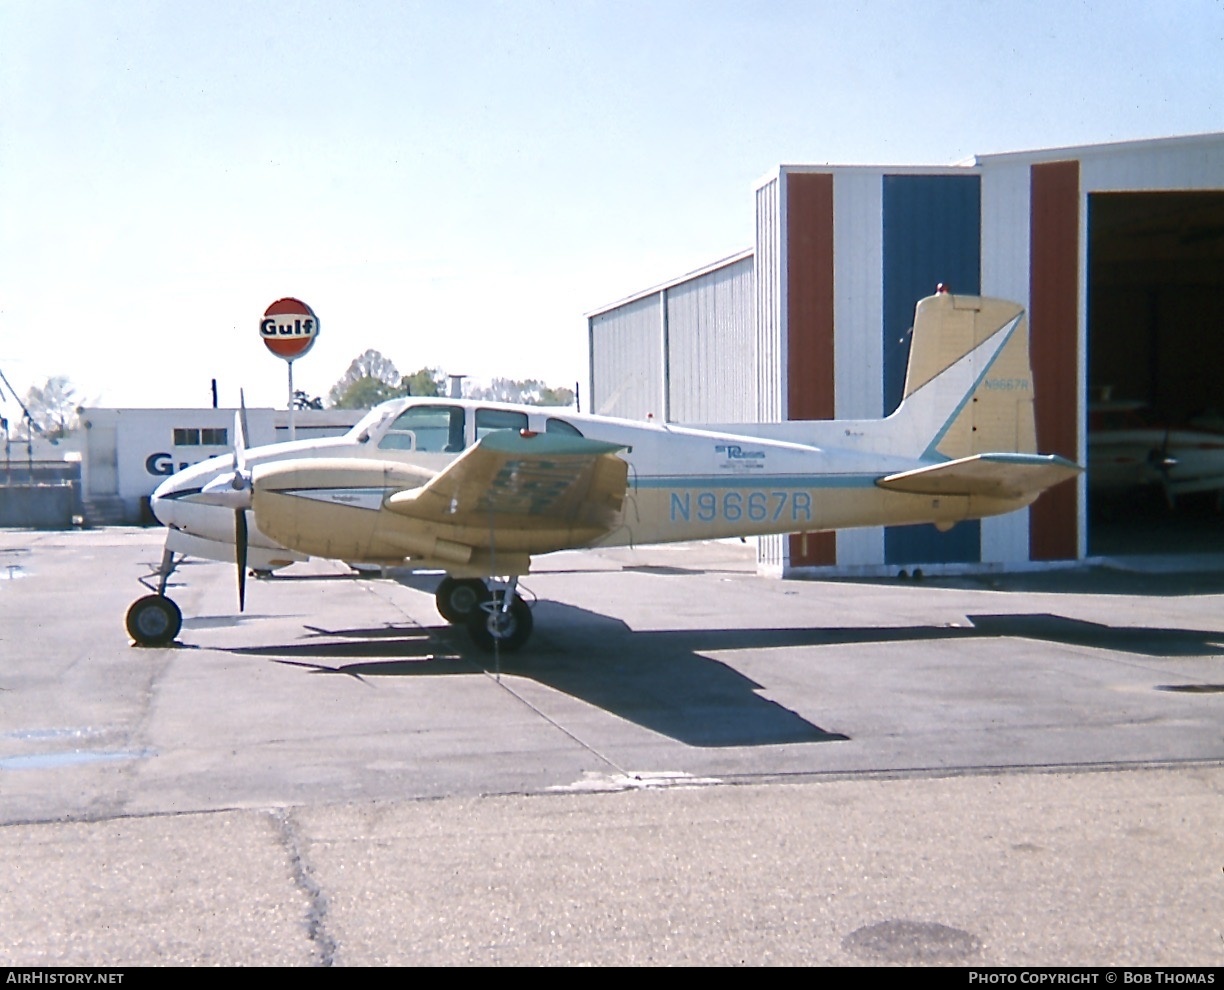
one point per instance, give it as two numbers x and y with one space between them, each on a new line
155 620
456 597
496 620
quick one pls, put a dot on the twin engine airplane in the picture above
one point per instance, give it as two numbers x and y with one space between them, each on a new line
477 489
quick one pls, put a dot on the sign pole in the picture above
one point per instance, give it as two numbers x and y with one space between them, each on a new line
289 328
292 430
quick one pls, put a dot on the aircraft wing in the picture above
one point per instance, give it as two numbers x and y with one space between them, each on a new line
544 481
1009 476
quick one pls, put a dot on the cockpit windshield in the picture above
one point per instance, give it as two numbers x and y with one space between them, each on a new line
369 424
429 428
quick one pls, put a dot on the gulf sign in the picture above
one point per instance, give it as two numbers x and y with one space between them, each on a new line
289 328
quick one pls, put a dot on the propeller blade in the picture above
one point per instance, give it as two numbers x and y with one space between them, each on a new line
242 438
240 555
229 490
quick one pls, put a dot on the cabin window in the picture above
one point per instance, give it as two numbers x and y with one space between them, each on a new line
433 429
488 420
561 426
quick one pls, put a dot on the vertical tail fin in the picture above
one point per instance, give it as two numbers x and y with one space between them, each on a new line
969 384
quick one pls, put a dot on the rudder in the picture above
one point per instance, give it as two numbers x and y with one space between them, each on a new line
986 404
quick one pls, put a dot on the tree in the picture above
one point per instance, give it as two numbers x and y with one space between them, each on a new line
427 381
53 407
372 379
560 396
365 393
369 380
529 391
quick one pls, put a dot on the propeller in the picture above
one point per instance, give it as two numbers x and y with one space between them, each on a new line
232 490
240 554
1163 463
241 483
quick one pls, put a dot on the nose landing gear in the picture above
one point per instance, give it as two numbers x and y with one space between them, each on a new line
155 620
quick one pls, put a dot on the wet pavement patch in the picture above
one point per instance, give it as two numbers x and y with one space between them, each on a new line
83 736
911 942
50 761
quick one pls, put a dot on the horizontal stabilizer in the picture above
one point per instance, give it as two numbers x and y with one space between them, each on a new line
1006 476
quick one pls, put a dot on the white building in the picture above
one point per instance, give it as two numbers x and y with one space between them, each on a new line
127 453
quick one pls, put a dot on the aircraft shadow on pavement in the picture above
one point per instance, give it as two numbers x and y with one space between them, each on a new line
664 681
1043 627
645 678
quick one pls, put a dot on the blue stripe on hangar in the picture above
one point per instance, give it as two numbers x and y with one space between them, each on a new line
932 234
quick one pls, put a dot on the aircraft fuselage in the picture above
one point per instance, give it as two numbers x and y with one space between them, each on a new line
683 484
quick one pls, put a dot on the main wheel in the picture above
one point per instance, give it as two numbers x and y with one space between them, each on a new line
154 620
456 597
491 628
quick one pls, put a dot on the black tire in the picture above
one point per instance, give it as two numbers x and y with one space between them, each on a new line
491 628
154 621
456 597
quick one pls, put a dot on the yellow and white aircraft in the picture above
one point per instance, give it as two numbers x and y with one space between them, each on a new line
477 489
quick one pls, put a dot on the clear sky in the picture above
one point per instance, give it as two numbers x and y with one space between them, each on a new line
456 183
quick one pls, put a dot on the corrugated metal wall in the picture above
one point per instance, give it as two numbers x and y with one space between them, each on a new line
770 350
862 247
1005 261
809 329
627 360
711 347
1056 337
682 353
770 300
858 315
932 234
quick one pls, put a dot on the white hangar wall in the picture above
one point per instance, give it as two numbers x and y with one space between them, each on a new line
711 369
681 352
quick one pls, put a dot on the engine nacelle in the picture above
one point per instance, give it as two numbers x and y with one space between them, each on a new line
329 507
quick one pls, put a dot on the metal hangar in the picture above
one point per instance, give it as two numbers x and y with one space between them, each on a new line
1117 250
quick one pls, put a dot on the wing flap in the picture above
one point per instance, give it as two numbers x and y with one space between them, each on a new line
530 481
1008 476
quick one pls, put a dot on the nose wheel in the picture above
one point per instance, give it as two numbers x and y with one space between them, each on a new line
154 620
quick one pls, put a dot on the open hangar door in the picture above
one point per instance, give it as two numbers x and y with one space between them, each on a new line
1156 372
